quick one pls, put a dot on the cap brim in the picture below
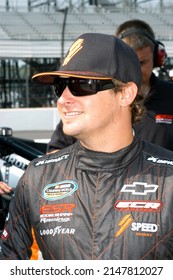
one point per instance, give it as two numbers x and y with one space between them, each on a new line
49 78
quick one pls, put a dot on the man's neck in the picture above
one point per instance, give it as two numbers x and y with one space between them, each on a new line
113 143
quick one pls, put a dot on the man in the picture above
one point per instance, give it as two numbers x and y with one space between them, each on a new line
156 125
108 196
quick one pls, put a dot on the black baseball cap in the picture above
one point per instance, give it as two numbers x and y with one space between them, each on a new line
96 56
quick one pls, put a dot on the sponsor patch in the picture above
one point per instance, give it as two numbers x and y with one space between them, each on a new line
51 160
59 190
144 227
159 160
56 213
57 208
139 228
5 234
168 119
139 188
124 223
57 230
138 205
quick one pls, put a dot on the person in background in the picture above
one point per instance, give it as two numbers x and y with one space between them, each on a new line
85 202
156 125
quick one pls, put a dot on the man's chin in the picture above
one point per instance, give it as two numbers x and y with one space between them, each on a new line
70 129
69 132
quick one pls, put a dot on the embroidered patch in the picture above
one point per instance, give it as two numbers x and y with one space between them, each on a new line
168 119
159 160
59 190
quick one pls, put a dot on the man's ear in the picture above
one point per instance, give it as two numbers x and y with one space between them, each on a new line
128 94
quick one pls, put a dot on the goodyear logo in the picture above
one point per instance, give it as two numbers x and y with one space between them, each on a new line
59 190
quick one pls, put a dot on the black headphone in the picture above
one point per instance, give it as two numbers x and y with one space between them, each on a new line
160 54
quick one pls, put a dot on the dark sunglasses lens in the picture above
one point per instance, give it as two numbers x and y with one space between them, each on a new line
82 87
59 88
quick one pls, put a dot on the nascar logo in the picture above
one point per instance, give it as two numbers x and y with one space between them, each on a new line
59 190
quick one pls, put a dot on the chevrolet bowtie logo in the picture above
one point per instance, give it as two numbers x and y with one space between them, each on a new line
139 188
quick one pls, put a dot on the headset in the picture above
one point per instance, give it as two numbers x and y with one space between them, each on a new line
160 53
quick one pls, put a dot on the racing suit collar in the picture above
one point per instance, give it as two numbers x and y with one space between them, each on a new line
100 161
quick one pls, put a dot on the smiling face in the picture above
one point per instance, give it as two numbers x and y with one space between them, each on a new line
99 119
87 115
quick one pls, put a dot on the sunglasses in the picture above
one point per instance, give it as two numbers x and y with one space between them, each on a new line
81 87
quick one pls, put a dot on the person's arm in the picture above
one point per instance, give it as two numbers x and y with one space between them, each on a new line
17 238
59 140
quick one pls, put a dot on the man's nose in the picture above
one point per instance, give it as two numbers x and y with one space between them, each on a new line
66 96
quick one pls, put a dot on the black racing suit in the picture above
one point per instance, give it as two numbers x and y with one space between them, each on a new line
156 125
86 205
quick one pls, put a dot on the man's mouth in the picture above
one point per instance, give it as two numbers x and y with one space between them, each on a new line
71 114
